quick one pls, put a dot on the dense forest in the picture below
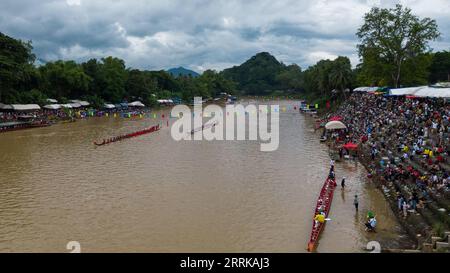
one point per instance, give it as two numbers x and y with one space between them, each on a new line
393 50
97 81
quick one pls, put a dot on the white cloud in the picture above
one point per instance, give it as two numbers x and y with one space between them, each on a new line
73 2
200 34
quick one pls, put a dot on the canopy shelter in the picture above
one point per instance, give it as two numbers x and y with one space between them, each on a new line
433 92
336 118
25 107
165 101
366 89
136 104
333 125
422 92
76 105
83 103
6 107
52 101
350 146
109 106
52 106
66 106
410 91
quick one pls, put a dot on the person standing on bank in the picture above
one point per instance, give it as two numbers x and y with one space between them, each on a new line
343 182
356 202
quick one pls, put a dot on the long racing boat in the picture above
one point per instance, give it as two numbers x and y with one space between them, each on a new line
322 207
130 135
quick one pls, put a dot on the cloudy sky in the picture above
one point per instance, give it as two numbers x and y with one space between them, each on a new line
199 34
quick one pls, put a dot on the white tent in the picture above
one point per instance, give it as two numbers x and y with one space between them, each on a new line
109 106
405 91
25 107
66 106
433 92
422 91
75 105
5 106
365 89
52 106
53 101
335 125
136 104
165 101
81 102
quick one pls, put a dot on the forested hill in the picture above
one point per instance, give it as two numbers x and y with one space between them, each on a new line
262 74
181 71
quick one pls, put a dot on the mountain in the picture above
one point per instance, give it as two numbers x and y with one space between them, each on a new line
181 71
259 75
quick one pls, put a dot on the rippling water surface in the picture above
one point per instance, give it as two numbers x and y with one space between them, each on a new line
152 194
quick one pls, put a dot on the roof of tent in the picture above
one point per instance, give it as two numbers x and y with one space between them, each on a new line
75 105
366 89
351 146
136 104
433 92
335 125
422 91
165 101
25 107
81 102
53 106
5 106
109 106
66 106
52 101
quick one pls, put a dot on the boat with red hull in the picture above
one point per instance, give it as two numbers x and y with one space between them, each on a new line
324 205
130 135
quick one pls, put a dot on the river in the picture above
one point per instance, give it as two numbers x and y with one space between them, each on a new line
153 194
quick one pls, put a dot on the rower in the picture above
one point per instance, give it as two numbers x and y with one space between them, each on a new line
319 218
331 175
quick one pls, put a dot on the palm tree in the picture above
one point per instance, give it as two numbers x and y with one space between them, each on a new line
341 74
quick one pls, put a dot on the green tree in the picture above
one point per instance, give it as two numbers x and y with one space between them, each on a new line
341 74
63 79
140 85
290 78
215 83
440 67
112 79
16 66
32 96
393 36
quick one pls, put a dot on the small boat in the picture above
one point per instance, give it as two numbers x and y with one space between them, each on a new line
324 205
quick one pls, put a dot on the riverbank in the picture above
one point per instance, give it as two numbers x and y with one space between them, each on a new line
414 182
13 121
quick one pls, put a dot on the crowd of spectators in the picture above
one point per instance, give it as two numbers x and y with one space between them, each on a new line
408 143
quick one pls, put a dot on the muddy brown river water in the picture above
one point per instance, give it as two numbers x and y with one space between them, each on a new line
153 194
